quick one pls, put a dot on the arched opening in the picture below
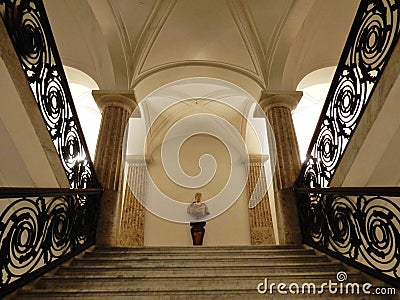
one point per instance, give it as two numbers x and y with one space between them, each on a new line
207 127
314 86
81 86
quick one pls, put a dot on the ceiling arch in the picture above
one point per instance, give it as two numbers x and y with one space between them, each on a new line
257 44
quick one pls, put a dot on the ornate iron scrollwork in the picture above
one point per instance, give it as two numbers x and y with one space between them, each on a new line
37 232
30 32
360 229
372 38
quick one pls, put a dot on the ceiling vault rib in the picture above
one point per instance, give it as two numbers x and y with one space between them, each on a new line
245 23
122 32
151 29
275 40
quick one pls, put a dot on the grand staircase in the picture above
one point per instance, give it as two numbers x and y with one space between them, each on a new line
193 273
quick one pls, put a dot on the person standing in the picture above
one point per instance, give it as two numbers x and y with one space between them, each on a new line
198 211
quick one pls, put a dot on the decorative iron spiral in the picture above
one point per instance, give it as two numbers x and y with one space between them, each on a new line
59 226
381 238
21 236
375 38
52 103
347 103
341 218
27 33
34 233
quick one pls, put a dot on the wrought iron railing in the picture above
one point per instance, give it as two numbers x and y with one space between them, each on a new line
360 226
371 40
31 35
41 228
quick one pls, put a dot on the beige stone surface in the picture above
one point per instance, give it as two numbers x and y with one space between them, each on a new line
131 231
260 218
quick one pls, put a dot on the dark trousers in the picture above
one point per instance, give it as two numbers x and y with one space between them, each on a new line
197 230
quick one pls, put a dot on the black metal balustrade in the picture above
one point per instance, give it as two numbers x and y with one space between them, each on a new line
42 228
359 226
371 40
31 35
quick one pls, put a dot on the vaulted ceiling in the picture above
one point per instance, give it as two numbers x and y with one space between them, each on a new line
144 44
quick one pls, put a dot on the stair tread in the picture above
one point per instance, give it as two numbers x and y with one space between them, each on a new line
192 259
177 276
205 267
154 271
196 248
194 256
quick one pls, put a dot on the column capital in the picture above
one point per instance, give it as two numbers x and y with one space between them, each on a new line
271 99
115 98
141 160
255 159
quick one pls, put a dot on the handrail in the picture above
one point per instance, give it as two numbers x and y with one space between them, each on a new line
13 192
351 191
30 33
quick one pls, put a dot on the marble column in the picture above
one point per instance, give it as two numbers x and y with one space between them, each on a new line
116 107
260 217
278 107
132 221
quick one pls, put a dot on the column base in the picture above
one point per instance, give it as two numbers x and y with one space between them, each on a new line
262 236
107 227
287 217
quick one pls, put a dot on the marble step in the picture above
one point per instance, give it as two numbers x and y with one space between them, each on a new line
199 248
200 283
210 262
238 294
180 253
184 270
190 273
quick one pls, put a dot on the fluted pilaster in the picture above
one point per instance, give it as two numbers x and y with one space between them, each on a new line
132 222
278 107
116 108
260 217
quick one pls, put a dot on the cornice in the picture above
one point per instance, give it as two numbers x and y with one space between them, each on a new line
115 98
138 160
271 99
202 63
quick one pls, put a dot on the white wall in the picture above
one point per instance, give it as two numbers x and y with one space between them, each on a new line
228 228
